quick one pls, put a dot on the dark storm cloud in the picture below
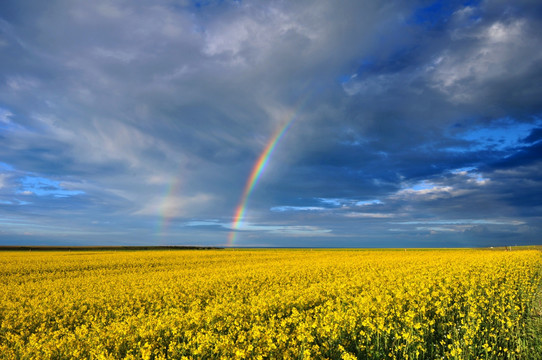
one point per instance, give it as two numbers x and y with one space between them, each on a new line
415 122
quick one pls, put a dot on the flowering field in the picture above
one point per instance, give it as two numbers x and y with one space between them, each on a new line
267 304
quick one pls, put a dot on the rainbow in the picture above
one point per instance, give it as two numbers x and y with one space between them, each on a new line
257 170
164 217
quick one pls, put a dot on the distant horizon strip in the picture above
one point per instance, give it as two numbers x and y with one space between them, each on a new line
257 170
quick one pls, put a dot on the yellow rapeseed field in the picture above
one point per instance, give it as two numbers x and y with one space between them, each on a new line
266 304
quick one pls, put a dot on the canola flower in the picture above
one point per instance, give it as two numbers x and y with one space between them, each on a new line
266 304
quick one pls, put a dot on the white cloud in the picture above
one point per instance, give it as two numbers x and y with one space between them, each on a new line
22 83
455 226
426 190
5 116
3 178
462 222
473 177
368 202
297 208
368 215
255 33
459 72
500 32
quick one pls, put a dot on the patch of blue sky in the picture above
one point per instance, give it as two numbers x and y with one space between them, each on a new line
501 135
333 201
432 14
202 4
534 137
11 127
199 4
370 66
14 202
41 186
369 202
438 12
365 65
206 223
342 202
423 185
343 79
6 167
463 170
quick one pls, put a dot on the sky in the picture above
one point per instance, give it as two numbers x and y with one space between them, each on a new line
271 123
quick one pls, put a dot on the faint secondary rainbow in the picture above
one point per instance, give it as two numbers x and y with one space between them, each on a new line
257 170
165 215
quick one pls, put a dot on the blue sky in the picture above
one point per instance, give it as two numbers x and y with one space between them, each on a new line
417 123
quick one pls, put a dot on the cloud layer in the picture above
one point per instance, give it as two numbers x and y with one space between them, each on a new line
139 122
